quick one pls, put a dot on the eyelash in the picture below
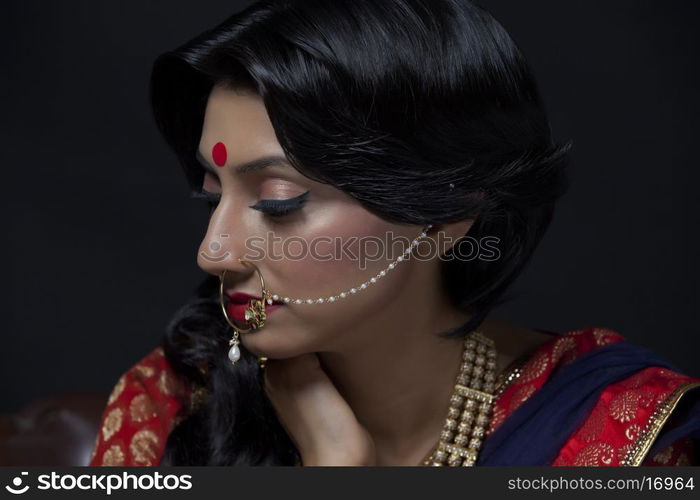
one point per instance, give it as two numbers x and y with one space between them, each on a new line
271 208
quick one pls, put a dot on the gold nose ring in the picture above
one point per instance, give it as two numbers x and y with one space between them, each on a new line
254 314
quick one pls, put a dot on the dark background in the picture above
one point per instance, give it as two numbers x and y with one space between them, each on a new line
101 236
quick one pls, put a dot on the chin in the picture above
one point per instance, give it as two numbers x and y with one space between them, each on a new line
274 345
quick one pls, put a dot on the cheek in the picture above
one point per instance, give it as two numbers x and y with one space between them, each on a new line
341 250
324 259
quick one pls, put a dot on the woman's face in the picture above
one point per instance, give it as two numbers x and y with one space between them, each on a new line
300 254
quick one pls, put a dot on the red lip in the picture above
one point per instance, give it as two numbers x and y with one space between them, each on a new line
244 298
238 303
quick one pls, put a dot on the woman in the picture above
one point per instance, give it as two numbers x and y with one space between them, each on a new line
331 125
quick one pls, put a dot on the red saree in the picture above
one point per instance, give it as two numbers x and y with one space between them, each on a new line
148 401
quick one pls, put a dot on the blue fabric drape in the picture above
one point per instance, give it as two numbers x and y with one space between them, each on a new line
537 430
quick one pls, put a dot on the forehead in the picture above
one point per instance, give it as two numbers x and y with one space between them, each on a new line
238 119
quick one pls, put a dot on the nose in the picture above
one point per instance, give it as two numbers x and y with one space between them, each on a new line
220 249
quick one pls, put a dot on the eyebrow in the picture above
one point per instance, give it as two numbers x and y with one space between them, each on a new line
250 166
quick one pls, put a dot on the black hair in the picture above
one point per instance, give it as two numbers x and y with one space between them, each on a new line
390 101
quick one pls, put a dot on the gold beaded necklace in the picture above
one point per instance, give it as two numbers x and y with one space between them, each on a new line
471 405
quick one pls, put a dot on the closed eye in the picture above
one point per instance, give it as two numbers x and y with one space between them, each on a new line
271 208
280 208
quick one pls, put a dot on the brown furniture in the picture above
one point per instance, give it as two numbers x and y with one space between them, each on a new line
55 430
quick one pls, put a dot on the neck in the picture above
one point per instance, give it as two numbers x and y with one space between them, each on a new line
398 376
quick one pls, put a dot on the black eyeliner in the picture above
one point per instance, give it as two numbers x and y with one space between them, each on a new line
281 207
275 208
210 197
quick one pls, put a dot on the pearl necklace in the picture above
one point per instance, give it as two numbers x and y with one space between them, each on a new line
471 405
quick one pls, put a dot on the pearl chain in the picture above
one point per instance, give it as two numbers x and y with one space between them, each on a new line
356 289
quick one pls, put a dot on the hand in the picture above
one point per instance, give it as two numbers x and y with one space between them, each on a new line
317 418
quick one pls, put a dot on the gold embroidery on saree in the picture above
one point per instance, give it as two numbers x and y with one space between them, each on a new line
632 432
112 423
166 384
664 455
624 406
683 460
654 425
144 447
145 371
114 456
604 336
118 388
563 345
594 424
142 408
536 367
594 455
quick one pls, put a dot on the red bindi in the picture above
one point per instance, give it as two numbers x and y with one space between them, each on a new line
218 153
